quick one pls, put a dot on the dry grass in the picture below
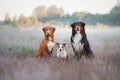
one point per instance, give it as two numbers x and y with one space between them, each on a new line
17 61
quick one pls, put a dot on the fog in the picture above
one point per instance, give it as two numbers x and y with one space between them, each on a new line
19 45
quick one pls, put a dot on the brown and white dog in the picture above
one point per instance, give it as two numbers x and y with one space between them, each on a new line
46 46
79 41
61 52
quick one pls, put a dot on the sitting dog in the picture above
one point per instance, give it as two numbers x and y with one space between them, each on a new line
46 47
79 41
61 53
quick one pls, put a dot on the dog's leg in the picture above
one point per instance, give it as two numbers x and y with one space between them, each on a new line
65 58
80 55
50 53
88 52
39 54
77 55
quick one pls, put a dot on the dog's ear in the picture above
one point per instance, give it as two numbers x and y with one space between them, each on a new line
57 44
53 29
43 29
64 44
82 24
72 25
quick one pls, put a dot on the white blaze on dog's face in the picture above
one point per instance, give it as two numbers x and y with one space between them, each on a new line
77 29
61 46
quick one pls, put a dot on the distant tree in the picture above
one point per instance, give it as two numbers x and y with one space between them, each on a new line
21 20
34 21
7 19
14 19
118 2
89 19
54 15
40 12
60 11
115 16
52 10
115 10
80 15
77 16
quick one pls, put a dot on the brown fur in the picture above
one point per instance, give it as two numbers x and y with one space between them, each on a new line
43 50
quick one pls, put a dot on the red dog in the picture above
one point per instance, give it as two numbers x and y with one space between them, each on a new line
46 47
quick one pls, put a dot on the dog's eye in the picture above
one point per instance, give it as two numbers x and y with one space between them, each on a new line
74 28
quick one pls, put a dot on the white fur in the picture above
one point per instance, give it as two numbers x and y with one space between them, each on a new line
77 45
50 44
62 53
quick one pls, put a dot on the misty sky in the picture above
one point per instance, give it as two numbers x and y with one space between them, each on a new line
26 7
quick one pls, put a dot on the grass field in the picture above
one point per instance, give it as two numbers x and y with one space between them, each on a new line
18 47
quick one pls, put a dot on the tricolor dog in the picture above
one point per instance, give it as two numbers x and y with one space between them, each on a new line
47 44
79 41
61 52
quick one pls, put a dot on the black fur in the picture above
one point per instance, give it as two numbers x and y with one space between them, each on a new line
86 48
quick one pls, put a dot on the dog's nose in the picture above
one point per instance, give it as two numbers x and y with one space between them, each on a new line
77 28
60 49
48 33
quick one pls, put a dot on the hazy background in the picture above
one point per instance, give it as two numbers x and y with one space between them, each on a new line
21 23
20 13
17 7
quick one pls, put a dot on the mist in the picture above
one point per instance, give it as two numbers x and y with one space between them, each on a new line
19 45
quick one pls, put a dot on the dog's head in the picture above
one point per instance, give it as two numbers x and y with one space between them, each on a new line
61 47
78 27
49 31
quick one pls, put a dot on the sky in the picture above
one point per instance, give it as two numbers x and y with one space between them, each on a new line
26 7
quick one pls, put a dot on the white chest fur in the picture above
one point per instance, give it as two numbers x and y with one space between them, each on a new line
62 54
77 43
50 45
77 38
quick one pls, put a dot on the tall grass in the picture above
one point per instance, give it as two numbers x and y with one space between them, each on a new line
18 47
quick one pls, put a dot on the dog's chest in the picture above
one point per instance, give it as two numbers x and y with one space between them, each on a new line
62 54
77 38
77 44
50 45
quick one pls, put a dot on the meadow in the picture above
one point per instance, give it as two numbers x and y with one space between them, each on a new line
19 45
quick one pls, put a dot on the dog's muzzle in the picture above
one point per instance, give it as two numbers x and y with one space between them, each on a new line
60 50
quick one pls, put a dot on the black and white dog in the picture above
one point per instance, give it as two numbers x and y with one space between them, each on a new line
79 41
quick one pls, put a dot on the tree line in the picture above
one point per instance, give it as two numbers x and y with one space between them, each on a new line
42 15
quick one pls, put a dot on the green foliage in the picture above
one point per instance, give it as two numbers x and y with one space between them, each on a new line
112 19
115 10
10 23
54 15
